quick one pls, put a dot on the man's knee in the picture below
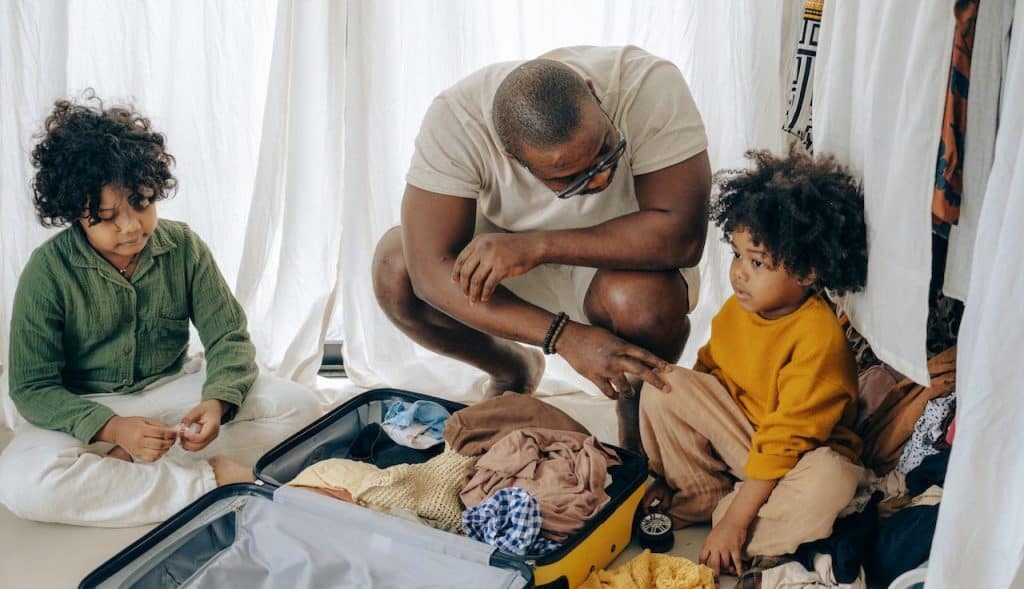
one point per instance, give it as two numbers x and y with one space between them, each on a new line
391 284
638 302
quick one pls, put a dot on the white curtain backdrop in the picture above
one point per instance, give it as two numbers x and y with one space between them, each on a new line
978 541
730 54
879 89
292 258
193 67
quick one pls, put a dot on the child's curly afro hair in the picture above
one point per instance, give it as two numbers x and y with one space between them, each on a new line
807 212
84 147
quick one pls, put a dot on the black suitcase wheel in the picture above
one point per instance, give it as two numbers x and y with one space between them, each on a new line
654 531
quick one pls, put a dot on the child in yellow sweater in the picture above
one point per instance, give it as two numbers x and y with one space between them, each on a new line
758 437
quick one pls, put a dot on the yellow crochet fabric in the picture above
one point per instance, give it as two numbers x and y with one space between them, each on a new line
653 571
430 489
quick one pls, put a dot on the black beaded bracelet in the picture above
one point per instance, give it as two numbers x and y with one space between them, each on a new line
549 339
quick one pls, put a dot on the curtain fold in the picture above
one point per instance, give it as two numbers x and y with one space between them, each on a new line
291 261
978 540
33 33
879 88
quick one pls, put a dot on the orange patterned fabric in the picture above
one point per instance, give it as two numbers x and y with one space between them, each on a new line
949 168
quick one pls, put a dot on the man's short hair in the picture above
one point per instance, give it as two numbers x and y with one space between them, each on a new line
538 103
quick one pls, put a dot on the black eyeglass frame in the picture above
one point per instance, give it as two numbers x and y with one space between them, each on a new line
581 183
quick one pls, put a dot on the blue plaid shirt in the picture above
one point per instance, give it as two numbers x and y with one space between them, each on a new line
510 520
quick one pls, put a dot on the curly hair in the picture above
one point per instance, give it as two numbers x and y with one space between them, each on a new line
808 213
84 147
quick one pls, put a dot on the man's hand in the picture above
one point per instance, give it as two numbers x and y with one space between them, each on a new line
723 548
605 359
491 258
207 414
143 438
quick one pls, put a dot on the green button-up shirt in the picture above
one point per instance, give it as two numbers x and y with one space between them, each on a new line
79 327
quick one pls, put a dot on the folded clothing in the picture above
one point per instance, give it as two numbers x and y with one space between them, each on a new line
475 429
415 425
430 489
565 471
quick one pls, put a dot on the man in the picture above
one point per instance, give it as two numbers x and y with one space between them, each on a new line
576 183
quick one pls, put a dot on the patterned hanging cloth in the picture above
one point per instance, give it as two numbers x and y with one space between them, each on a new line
798 112
950 165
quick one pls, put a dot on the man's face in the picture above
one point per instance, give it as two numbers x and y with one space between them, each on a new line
560 165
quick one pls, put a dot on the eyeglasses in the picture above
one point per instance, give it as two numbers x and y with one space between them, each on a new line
581 183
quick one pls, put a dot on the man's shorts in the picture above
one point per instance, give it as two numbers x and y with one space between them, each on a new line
557 287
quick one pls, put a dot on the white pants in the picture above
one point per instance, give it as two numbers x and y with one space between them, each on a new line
51 476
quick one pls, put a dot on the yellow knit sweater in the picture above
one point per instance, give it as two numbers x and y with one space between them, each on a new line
794 377
653 571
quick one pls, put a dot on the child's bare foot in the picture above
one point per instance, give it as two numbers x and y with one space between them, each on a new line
523 377
228 471
120 453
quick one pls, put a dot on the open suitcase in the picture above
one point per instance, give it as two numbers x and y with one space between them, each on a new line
267 534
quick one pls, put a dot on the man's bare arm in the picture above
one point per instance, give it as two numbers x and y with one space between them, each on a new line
667 232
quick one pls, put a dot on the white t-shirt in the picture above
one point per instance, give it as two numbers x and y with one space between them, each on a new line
458 152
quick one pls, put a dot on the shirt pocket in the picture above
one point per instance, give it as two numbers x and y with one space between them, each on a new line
167 345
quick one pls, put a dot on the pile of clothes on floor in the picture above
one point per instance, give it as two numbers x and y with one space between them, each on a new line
512 471
887 529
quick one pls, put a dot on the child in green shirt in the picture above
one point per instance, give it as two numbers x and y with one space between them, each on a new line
122 429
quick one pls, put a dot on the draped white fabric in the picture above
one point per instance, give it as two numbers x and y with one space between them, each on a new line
879 88
978 541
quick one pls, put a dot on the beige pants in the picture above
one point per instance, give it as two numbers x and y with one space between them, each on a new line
698 438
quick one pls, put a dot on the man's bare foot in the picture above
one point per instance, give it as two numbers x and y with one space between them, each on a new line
120 453
522 377
228 471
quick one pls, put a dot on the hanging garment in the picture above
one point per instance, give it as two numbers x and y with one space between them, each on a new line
880 78
798 112
988 78
949 168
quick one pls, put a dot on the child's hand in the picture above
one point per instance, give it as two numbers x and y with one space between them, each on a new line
144 438
206 415
723 548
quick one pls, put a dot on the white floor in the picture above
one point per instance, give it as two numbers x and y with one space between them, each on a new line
42 556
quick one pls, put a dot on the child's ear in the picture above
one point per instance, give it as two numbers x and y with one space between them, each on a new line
810 279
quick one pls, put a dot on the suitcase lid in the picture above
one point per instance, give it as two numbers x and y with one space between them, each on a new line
283 462
262 538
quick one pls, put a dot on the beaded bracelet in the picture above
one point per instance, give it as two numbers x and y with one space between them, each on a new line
558 334
549 339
